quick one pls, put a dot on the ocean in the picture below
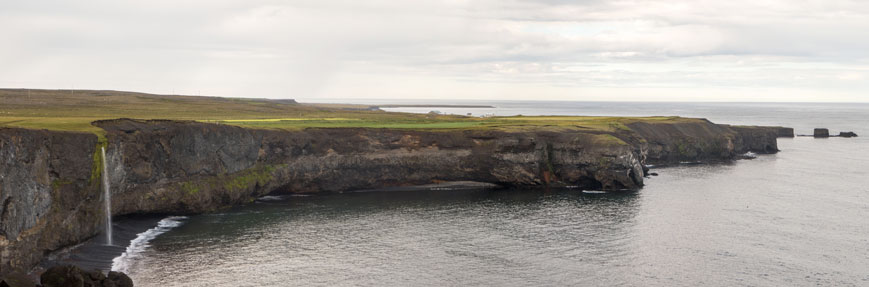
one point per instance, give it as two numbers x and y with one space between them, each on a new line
796 218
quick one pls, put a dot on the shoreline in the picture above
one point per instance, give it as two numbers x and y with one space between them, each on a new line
94 253
183 167
244 150
432 106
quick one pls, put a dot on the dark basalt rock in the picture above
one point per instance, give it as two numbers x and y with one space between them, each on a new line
821 133
50 193
784 132
47 197
16 279
847 134
120 279
69 275
64 276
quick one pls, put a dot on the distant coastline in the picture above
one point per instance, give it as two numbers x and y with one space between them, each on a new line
433 106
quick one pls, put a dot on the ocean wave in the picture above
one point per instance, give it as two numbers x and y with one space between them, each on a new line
140 243
270 198
594 192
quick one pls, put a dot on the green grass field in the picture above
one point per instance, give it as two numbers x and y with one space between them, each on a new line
68 110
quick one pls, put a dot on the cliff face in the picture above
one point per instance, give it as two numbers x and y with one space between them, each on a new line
702 141
188 167
194 167
48 198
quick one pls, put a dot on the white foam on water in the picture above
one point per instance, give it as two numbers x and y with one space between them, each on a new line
750 155
594 191
140 243
270 198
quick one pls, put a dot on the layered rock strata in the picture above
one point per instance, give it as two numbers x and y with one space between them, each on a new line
49 181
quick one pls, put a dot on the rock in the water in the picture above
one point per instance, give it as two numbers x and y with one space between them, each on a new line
16 279
784 132
120 279
847 134
69 275
822 133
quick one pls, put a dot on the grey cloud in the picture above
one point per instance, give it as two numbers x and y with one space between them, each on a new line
331 47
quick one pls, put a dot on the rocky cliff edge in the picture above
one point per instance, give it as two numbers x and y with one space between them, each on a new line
50 181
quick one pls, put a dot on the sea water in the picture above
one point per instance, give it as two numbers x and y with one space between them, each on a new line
797 218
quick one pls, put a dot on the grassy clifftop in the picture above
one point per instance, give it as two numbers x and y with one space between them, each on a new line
75 110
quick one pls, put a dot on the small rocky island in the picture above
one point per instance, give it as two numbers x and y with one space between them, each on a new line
825 133
52 175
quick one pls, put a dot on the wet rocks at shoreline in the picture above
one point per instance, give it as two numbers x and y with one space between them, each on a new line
68 275
16 279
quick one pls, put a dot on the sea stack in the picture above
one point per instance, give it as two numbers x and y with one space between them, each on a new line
822 133
784 132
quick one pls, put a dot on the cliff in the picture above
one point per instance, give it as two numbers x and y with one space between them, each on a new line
190 167
48 196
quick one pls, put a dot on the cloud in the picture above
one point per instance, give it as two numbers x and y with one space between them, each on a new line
459 48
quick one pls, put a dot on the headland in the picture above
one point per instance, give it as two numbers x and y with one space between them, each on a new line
185 155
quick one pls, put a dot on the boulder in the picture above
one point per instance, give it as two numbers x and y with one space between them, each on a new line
120 279
822 133
847 134
16 279
69 275
59 276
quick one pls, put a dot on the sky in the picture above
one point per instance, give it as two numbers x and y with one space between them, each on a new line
584 50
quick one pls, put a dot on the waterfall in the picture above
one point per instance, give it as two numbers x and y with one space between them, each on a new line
107 198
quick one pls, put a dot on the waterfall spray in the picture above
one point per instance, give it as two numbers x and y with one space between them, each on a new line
107 198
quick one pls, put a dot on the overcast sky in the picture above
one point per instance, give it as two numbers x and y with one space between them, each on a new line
673 50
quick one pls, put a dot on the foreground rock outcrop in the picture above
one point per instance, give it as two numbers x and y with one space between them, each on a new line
68 275
189 167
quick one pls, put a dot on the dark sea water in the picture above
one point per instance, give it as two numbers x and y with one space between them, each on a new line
797 218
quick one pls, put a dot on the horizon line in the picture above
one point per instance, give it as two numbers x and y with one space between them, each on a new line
305 100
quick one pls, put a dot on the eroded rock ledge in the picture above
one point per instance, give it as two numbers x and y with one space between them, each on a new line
49 181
